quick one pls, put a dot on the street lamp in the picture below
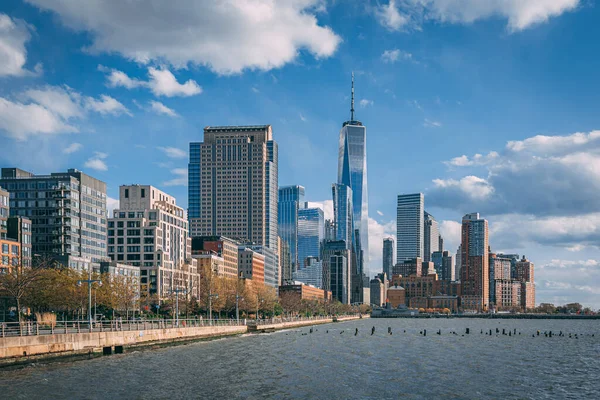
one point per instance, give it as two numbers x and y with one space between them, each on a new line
210 296
89 283
177 291
237 299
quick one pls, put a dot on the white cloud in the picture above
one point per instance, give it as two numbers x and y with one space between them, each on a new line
520 14
302 117
50 110
106 105
325 205
379 213
97 162
565 281
431 124
450 231
161 82
365 102
255 89
160 108
72 148
180 179
389 16
227 37
378 232
173 152
541 176
391 56
111 204
14 33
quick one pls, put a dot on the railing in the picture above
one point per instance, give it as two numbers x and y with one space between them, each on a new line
32 328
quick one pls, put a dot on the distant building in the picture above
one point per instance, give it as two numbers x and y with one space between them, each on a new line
499 269
396 296
474 262
441 302
4 213
409 267
224 247
285 262
443 263
416 286
19 229
300 291
251 265
310 233
210 262
524 270
330 232
336 270
388 255
431 236
527 295
311 274
378 292
271 264
410 227
291 198
67 211
508 294
10 252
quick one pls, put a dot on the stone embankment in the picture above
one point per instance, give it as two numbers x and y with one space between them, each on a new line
28 348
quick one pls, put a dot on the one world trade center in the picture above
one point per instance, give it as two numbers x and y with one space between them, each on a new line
352 172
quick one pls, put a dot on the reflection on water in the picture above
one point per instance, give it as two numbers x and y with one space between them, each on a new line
329 364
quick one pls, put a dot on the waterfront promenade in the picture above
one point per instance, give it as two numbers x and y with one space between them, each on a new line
19 343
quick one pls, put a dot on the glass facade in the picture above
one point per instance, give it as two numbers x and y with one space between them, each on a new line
290 198
342 210
352 172
311 228
409 227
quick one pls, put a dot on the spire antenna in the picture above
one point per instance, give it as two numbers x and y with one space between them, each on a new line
352 104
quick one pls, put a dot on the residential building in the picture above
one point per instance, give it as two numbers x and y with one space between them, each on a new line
409 267
410 227
300 291
508 294
458 263
378 292
447 272
388 255
499 269
10 253
271 264
352 172
416 286
208 261
431 236
310 233
233 185
19 229
149 230
4 213
311 274
67 211
117 269
527 295
291 199
524 270
474 262
222 246
251 265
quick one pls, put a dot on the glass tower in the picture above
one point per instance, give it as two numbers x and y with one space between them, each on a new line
290 198
311 227
352 172
409 227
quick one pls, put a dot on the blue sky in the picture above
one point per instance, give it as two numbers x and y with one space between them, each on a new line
482 105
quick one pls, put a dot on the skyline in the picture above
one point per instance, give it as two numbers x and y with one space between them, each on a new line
454 102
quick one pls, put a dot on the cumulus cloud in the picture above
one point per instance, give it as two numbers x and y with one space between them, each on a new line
325 205
180 177
72 148
14 33
173 152
561 281
391 56
378 232
520 14
97 162
365 103
51 110
161 82
450 231
160 108
227 37
111 205
540 176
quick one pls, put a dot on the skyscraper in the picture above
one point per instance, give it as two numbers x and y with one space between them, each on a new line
352 172
291 199
388 256
475 263
233 184
342 211
431 237
67 211
336 270
409 227
310 233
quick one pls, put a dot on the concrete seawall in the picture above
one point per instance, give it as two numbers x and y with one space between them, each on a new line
18 349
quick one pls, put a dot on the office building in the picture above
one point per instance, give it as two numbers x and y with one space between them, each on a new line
410 227
149 230
270 266
508 294
409 267
352 172
310 233
311 274
447 272
342 211
285 262
474 263
291 199
10 251
337 270
330 233
251 265
388 256
233 185
224 247
67 211
431 236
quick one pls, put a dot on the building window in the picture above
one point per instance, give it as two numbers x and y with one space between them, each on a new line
126 193
143 192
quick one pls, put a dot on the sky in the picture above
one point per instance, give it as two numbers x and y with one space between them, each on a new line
484 106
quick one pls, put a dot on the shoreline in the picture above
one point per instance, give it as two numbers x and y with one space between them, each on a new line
492 316
88 353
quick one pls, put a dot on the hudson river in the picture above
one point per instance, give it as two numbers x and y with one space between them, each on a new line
330 365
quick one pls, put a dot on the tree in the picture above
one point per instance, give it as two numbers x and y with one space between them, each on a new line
16 282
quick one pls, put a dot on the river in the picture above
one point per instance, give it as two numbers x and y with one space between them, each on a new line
329 364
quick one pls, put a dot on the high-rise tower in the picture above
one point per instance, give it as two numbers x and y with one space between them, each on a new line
474 260
352 172
409 227
431 237
291 198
